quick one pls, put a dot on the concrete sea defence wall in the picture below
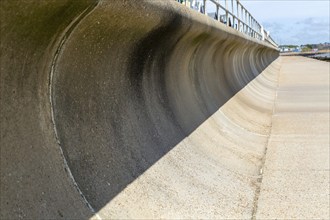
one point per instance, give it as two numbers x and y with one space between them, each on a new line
94 94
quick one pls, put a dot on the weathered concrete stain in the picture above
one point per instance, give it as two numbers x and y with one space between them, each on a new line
160 112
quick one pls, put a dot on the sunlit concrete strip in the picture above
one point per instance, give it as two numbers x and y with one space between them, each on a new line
295 181
214 172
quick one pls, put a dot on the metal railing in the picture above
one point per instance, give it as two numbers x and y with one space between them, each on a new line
233 14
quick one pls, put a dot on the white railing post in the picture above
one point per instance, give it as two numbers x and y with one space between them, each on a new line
245 21
242 16
238 19
232 12
204 7
227 16
253 27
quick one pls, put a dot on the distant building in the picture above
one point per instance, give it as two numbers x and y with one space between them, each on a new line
297 49
290 48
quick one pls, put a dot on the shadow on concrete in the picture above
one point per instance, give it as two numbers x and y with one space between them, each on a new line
126 90
132 96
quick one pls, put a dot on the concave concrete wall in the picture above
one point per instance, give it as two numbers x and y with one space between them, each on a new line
95 93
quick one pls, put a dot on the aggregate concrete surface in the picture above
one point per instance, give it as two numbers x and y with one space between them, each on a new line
147 109
295 182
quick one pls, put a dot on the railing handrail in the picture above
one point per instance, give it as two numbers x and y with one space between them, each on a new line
246 23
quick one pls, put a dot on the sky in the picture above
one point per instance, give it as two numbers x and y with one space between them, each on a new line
293 21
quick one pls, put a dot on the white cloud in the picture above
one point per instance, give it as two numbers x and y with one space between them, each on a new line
293 21
302 31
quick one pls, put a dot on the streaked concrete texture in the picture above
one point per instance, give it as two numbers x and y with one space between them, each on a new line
213 172
95 93
147 109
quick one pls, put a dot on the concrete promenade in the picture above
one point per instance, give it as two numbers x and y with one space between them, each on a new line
295 183
293 180
148 109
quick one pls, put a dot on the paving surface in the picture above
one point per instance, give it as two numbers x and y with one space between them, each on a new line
212 173
190 181
295 182
164 113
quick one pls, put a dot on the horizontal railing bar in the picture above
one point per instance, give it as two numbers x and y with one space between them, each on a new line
233 15
244 20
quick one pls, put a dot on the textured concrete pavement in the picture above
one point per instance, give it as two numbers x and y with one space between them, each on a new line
147 109
295 183
212 173
191 181
95 93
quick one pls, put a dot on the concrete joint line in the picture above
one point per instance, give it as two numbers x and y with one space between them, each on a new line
64 37
263 160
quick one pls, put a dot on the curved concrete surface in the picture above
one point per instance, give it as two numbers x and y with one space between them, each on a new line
117 109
